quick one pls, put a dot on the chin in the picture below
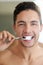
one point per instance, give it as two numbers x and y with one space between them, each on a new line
28 45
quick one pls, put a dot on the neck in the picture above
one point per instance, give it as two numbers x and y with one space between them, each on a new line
27 52
24 52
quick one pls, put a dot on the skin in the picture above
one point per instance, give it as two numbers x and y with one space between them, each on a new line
28 52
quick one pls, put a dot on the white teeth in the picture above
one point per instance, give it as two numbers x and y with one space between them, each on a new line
27 38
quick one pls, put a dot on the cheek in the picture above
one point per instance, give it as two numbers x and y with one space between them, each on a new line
19 31
37 31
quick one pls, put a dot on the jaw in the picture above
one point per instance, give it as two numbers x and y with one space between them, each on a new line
29 42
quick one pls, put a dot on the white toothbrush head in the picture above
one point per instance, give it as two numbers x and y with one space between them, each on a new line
27 38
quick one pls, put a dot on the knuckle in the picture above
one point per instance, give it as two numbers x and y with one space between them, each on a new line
4 31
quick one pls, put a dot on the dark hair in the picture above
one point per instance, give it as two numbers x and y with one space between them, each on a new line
24 6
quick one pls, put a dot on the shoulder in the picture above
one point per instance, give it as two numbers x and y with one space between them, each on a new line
41 48
41 45
5 55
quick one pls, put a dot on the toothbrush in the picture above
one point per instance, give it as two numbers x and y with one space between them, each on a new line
22 38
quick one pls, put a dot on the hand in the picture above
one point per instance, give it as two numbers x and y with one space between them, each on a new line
6 39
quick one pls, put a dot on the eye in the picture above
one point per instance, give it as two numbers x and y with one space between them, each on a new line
34 24
21 24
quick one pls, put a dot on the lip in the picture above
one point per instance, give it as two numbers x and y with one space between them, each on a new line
27 40
28 35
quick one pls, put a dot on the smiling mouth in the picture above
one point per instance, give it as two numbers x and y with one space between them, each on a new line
27 37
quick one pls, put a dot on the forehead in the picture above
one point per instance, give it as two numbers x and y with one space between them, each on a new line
28 15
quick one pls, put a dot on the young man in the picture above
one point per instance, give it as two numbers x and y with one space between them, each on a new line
26 50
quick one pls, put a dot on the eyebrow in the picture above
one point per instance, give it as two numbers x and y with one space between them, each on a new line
21 22
34 21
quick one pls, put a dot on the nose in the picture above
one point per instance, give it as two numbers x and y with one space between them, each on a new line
28 28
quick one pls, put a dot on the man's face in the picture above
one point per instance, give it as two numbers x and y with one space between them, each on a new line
28 24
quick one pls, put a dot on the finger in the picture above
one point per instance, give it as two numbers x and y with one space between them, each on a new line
10 42
10 37
1 36
4 35
9 34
